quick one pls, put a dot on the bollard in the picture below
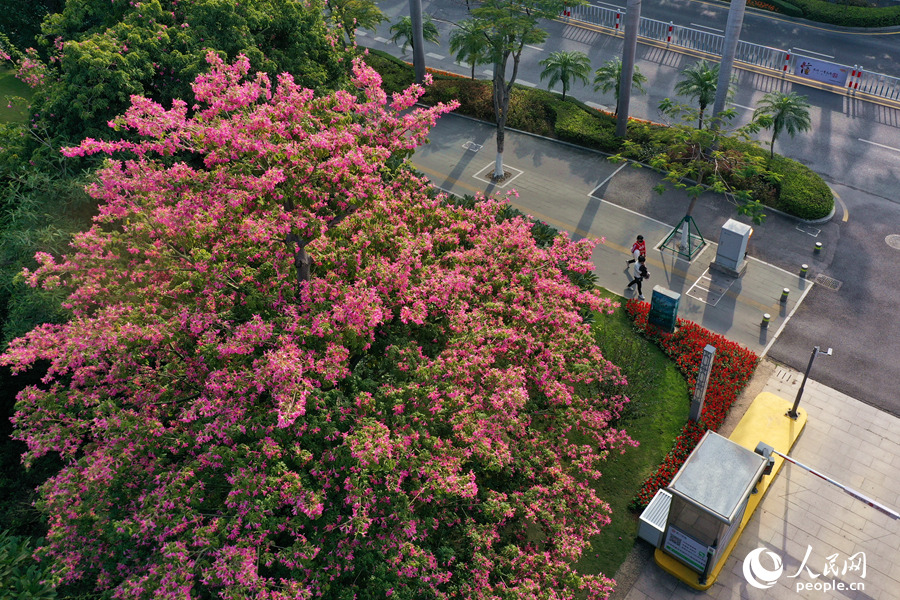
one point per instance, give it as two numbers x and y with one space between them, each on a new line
818 247
803 270
765 321
784 294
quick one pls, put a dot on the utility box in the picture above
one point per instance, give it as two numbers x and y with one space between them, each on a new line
732 248
653 519
709 497
664 308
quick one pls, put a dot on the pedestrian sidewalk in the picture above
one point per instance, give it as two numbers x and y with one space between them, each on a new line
802 518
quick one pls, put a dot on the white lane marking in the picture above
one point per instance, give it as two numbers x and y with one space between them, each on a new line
879 145
802 50
708 27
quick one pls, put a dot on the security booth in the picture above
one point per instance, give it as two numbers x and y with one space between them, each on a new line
709 495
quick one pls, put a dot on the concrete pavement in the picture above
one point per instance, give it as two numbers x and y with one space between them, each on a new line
818 532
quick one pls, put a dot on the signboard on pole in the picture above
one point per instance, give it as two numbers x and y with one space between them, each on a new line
820 70
706 362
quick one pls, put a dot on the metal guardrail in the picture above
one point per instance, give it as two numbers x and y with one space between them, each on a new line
779 61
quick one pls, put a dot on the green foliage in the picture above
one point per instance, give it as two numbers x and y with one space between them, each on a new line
41 210
402 30
789 9
14 96
22 577
585 127
654 417
565 68
802 193
849 16
107 52
23 23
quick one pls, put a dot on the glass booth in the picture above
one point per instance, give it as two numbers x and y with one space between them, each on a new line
709 497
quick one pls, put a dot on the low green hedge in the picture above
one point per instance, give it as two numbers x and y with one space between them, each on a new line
849 13
786 8
589 128
802 192
849 16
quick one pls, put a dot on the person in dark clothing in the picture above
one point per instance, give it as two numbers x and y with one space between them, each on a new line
640 273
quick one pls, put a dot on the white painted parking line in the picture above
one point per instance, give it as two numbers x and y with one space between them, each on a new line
382 40
742 106
879 145
707 27
434 56
534 47
801 50
527 83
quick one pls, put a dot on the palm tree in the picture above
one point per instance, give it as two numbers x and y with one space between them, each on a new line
699 81
609 76
403 30
470 45
787 112
565 67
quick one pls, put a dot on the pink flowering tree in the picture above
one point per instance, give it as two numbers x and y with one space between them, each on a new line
291 372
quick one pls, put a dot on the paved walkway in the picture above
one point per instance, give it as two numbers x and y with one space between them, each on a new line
581 192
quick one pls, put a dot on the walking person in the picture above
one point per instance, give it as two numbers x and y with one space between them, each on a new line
640 273
638 249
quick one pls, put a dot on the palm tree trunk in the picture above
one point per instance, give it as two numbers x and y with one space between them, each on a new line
632 22
732 36
418 41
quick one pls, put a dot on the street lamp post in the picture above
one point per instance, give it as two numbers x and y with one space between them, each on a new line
793 412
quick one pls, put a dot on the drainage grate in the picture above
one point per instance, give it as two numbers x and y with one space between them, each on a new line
830 283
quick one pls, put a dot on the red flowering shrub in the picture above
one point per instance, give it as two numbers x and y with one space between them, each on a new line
731 371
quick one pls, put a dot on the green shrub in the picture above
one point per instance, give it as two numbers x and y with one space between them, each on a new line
849 16
802 192
529 110
786 8
21 577
474 96
574 124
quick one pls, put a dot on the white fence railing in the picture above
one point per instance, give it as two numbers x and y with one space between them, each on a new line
779 61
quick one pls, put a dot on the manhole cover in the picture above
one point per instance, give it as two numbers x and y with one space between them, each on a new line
893 241
830 283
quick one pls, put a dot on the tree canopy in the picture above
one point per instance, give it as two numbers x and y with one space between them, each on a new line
289 371
102 52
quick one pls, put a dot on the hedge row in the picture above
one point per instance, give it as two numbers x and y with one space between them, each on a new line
848 13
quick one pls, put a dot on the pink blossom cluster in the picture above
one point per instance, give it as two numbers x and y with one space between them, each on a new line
417 418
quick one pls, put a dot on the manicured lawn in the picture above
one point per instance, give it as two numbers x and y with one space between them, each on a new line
10 86
656 415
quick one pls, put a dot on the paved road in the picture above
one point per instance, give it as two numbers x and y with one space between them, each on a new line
860 318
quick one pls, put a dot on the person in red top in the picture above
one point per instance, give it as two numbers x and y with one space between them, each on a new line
638 249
